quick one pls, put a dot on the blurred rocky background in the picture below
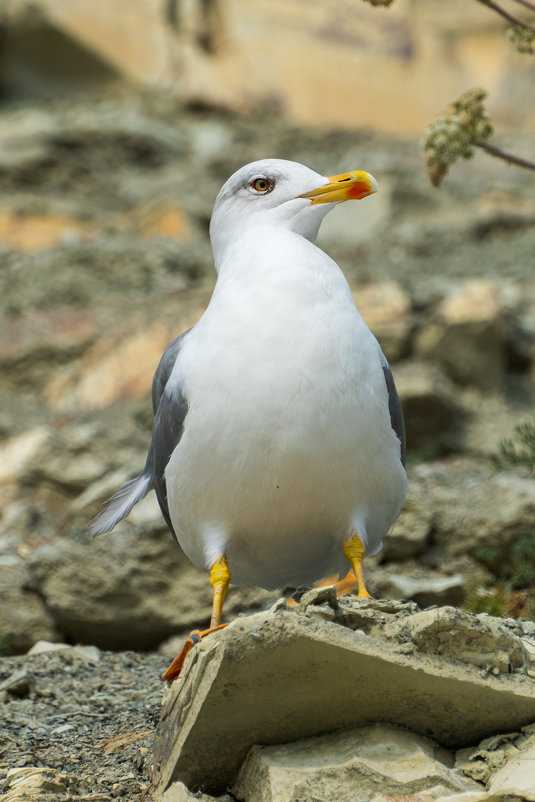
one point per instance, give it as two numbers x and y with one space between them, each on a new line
118 124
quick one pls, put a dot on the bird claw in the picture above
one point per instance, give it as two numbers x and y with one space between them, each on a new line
173 671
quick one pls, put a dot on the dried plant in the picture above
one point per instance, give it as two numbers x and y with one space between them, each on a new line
466 125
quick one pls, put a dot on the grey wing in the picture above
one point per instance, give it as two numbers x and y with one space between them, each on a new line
164 370
394 407
166 433
170 408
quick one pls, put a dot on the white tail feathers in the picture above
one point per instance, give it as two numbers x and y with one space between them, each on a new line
121 503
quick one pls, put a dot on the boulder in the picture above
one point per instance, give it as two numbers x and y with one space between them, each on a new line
494 512
131 589
466 336
517 777
17 452
505 763
278 677
379 759
111 370
474 640
24 618
387 309
410 535
426 588
433 411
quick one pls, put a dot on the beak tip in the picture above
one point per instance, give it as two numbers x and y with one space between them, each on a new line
348 186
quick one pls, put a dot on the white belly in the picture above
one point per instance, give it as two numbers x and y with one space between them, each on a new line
287 443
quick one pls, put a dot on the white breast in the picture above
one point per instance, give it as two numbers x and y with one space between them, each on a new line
287 441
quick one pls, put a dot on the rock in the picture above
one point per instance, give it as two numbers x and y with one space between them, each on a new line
468 796
82 459
380 758
164 219
178 792
493 512
88 653
517 777
31 232
529 646
475 640
289 675
17 452
386 308
43 784
425 588
18 684
466 337
138 588
24 618
505 763
111 370
432 410
411 533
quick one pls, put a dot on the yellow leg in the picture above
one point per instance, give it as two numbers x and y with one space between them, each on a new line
354 551
219 580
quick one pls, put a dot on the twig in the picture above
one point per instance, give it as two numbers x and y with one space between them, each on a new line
501 154
144 794
527 4
507 15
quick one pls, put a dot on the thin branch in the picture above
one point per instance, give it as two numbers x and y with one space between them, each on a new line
506 15
501 154
527 4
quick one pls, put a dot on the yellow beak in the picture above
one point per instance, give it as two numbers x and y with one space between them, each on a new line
346 186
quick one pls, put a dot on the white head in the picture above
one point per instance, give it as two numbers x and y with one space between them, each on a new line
282 194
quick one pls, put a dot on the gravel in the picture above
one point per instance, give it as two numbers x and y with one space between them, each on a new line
90 715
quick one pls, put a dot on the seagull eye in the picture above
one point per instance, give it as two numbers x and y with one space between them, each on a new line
261 184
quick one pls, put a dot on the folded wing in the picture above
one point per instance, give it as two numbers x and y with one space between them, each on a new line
170 408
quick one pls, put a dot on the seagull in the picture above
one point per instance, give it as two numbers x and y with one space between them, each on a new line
278 444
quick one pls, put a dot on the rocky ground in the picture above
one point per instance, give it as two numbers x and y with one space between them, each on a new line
87 717
103 242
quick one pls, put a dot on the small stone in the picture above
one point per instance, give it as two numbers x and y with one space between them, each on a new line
90 654
318 596
178 792
425 589
18 684
35 783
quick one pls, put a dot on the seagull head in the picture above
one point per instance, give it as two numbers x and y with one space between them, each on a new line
281 194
